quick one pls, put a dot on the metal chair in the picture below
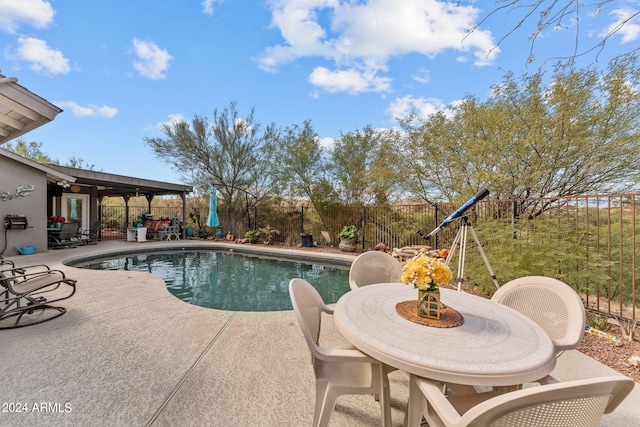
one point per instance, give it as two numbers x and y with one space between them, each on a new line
69 236
578 403
374 267
552 304
338 371
26 295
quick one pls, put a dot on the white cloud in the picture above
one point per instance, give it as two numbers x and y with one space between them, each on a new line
207 6
151 61
327 143
43 59
365 35
423 107
349 80
173 119
88 111
422 76
37 13
629 31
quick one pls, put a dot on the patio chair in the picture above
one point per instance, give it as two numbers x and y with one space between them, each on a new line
578 403
26 295
69 236
374 267
92 235
551 304
4 263
338 371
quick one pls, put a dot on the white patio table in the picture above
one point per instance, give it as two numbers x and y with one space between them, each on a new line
495 346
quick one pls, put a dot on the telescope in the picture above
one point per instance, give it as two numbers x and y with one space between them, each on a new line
461 210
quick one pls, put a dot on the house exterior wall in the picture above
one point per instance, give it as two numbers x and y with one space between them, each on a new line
12 175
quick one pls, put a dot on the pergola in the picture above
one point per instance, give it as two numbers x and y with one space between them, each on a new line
100 185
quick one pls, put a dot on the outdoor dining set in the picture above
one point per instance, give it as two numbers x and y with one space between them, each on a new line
492 368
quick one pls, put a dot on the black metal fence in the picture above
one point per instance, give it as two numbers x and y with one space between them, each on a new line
589 242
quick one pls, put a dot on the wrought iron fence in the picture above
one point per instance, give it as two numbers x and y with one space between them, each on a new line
589 242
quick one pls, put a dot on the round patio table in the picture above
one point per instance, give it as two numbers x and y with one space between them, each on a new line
495 346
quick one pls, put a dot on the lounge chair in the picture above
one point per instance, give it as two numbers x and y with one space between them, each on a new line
26 295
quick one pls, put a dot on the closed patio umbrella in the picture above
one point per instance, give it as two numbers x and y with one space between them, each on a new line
212 219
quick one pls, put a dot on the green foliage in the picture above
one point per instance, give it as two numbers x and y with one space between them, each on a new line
253 236
142 218
269 233
302 168
31 150
80 163
577 134
531 248
360 168
598 322
349 232
232 153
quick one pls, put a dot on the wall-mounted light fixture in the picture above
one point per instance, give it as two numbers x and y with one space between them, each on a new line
63 183
21 191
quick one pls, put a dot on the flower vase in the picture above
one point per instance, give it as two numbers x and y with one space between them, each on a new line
58 224
429 304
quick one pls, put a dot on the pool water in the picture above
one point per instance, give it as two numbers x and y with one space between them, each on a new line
230 280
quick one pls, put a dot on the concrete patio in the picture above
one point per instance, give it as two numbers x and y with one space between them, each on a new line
128 353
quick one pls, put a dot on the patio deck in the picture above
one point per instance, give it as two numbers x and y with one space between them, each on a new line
128 353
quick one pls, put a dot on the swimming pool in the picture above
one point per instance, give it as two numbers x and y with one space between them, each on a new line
229 280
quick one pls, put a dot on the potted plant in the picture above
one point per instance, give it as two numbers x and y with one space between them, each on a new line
196 220
349 238
141 220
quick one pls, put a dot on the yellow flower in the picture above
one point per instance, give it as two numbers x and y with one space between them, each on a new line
425 273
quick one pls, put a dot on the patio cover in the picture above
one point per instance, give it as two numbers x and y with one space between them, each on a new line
21 111
112 185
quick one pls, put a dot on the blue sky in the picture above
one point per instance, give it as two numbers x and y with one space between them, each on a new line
121 68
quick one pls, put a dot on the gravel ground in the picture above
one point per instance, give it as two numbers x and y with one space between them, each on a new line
624 359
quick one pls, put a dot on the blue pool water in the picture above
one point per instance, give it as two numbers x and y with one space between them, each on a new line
229 280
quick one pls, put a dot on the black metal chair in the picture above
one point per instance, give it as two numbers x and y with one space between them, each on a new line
69 236
92 235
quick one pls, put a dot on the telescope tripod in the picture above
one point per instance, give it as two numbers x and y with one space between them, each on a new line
461 238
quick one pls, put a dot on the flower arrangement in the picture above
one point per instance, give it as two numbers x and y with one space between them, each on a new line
56 218
425 273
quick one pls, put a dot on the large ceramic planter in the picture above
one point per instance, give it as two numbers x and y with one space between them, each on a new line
348 245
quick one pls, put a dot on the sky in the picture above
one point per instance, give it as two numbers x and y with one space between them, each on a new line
120 68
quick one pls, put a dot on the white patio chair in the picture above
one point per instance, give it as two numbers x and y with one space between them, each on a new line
552 304
578 403
338 371
374 267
